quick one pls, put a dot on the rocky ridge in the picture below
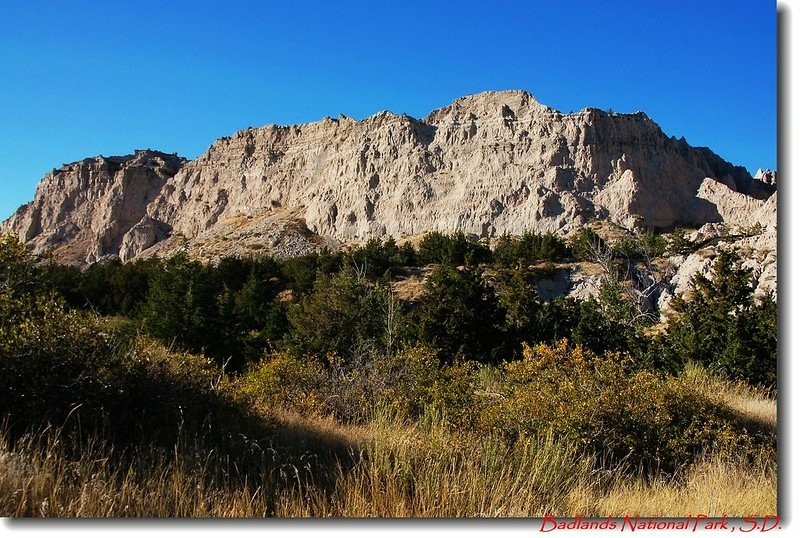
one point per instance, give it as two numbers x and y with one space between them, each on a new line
487 164
90 209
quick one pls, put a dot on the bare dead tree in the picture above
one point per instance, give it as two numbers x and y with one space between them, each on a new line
601 253
639 279
645 279
359 269
648 280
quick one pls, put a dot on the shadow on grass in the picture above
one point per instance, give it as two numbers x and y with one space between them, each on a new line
144 407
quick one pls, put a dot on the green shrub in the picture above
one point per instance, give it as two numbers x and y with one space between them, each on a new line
603 405
454 249
283 380
20 273
407 384
59 366
529 249
421 383
51 362
157 396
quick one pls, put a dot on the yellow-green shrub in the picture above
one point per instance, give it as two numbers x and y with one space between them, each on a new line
65 368
406 383
286 381
50 360
609 409
424 383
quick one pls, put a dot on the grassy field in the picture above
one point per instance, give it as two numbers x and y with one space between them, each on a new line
390 469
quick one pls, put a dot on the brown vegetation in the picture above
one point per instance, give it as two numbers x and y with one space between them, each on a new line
419 470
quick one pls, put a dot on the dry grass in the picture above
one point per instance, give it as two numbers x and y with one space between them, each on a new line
431 472
44 482
750 403
716 486
398 470
412 286
387 468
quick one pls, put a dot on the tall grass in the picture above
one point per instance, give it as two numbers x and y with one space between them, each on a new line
39 477
755 405
397 470
715 485
430 471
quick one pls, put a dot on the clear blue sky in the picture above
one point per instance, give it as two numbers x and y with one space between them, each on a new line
82 78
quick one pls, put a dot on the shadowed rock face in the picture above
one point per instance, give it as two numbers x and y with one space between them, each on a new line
488 164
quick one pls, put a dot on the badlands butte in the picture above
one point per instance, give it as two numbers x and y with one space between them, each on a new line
488 164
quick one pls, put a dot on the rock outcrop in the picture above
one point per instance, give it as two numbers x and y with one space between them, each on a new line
488 164
97 207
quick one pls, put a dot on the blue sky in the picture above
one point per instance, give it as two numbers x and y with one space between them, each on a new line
81 78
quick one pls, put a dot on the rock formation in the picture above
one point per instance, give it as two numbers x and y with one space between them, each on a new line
97 207
487 164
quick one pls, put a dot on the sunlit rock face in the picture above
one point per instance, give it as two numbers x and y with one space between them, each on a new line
84 211
487 164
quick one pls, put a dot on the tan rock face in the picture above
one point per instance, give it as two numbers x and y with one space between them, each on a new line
487 164
84 210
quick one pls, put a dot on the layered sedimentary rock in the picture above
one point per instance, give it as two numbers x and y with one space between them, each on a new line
96 207
488 164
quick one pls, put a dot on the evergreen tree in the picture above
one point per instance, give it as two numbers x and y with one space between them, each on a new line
720 326
460 316
181 307
529 249
342 312
375 258
520 301
455 249
587 244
